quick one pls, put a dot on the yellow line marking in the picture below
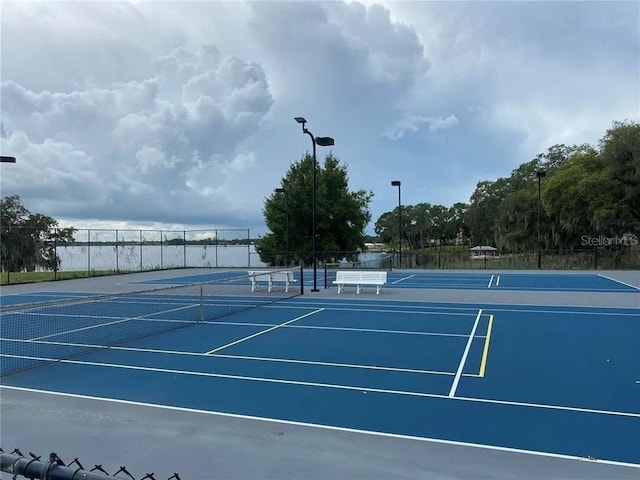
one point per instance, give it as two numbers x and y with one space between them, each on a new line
485 352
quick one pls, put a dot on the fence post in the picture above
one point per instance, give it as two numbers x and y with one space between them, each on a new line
161 263
184 247
55 254
88 252
140 232
117 262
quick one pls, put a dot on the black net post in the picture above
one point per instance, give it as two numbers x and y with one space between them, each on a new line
325 275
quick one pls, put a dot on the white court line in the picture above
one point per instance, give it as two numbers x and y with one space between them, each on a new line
324 427
490 280
456 379
619 281
472 306
141 317
262 332
332 386
402 279
236 357
498 281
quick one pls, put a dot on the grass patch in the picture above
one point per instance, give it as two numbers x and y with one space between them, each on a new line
35 277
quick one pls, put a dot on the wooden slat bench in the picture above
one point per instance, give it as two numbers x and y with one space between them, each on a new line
271 278
360 278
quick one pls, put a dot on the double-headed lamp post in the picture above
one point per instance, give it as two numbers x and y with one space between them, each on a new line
396 183
323 142
540 174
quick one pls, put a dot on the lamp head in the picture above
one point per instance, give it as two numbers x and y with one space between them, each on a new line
325 141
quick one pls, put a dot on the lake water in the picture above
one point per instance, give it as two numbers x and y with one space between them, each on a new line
154 257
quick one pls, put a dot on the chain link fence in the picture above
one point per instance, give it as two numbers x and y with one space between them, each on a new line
90 252
32 466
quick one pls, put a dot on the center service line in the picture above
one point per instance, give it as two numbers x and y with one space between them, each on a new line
456 379
262 332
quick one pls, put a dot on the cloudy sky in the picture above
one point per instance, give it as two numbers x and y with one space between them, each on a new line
180 115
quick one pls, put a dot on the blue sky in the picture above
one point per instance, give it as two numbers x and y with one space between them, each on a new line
180 114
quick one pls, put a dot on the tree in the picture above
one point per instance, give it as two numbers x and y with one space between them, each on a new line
620 151
28 240
341 215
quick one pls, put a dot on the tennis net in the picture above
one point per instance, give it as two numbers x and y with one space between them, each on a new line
34 334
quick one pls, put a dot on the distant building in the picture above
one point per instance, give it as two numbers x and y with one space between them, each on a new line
481 252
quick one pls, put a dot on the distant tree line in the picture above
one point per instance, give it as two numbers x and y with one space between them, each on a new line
587 193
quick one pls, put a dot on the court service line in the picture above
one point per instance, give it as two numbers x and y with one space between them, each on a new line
321 426
456 379
140 317
465 306
262 332
485 351
619 281
248 357
490 281
403 279
332 386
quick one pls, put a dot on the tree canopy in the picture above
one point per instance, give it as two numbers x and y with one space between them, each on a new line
587 191
341 214
28 240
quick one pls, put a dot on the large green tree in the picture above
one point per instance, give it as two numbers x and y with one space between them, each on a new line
341 214
28 240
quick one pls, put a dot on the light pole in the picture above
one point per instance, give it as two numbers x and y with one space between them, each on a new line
396 183
286 201
323 142
540 174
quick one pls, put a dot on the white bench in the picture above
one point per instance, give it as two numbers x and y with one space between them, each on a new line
359 278
271 277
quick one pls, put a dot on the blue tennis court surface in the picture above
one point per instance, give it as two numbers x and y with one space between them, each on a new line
545 282
561 380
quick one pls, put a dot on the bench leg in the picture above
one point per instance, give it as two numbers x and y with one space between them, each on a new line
357 289
377 289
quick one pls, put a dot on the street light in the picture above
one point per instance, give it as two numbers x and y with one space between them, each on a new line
286 201
540 174
323 142
396 183
4 159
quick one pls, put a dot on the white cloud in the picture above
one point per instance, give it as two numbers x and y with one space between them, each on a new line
411 123
176 113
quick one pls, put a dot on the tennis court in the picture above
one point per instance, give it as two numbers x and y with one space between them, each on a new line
558 380
542 282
